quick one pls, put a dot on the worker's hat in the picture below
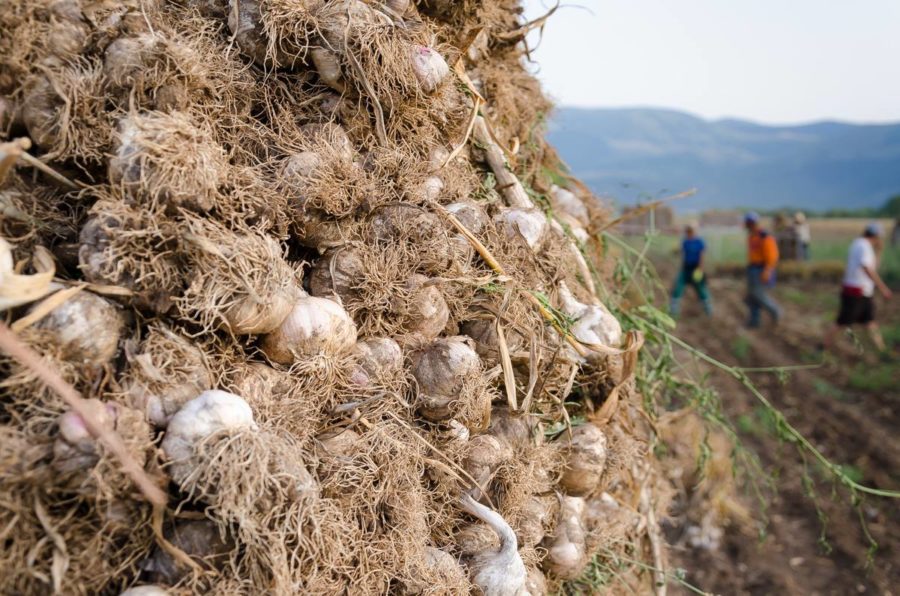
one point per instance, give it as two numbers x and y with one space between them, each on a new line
872 229
751 217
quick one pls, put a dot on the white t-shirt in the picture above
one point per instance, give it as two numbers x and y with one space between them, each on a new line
861 255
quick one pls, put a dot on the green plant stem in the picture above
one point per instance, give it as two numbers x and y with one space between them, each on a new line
739 375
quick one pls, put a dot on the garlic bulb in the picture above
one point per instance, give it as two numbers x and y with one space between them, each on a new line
41 107
497 572
86 327
535 583
469 214
338 272
594 324
536 516
566 555
440 568
437 157
529 225
472 539
314 326
249 316
75 448
485 454
514 429
297 168
425 313
483 332
328 65
168 372
145 591
343 443
431 189
125 58
566 202
398 7
377 358
330 134
199 539
210 412
585 460
440 369
429 66
245 23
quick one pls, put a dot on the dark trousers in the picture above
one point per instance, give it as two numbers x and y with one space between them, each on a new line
686 278
758 298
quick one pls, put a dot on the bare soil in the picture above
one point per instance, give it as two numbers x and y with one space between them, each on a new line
847 407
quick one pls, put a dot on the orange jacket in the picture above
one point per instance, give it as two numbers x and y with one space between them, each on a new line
762 250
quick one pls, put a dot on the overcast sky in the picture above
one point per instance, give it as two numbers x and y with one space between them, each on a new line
772 61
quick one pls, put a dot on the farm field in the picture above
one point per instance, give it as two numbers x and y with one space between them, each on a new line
830 239
805 537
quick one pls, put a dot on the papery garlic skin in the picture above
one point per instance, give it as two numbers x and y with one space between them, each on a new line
314 326
210 412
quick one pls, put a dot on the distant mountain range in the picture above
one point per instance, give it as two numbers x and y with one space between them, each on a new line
632 154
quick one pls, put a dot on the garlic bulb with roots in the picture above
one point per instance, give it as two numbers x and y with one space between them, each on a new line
168 372
328 65
585 455
338 273
331 134
594 324
513 428
314 326
536 516
498 572
376 358
485 453
529 225
424 313
566 552
568 203
431 188
86 328
469 214
211 412
341 443
146 591
429 66
76 448
298 167
472 539
438 157
437 568
535 583
440 369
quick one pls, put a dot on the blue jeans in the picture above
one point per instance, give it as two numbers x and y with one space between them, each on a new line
758 298
686 278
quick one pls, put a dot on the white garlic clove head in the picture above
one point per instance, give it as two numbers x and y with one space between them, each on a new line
86 327
211 412
529 225
440 369
429 66
594 324
314 326
586 455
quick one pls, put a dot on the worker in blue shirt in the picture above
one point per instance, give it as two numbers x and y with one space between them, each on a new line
691 273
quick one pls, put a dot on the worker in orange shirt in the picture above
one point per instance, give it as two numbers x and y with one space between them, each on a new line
762 257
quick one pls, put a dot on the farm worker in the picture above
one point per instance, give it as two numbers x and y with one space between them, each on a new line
801 231
860 281
762 257
691 273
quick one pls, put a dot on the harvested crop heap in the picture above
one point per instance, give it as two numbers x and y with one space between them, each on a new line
307 260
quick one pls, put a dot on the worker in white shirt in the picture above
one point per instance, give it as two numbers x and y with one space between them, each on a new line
861 279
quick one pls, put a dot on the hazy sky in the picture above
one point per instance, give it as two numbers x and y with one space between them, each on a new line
773 61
